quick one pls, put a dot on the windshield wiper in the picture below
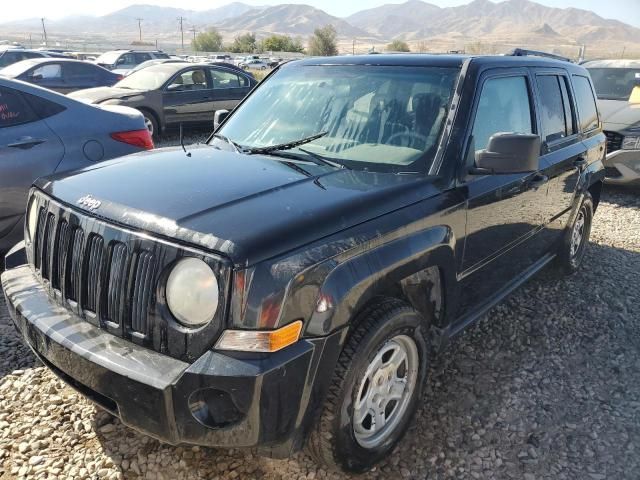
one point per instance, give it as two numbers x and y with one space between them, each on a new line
323 160
237 147
285 146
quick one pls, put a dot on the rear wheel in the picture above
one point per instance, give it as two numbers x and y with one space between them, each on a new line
375 389
576 237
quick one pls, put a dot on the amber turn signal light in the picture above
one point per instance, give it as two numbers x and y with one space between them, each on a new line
260 340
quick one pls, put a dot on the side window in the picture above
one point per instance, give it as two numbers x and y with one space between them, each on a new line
14 110
552 108
50 71
189 80
504 106
43 108
569 113
126 59
586 103
223 79
142 57
72 70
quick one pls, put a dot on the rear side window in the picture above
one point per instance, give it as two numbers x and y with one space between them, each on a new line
73 69
142 57
42 107
14 110
586 103
504 106
223 79
555 114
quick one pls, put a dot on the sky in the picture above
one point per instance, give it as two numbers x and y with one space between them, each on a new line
626 10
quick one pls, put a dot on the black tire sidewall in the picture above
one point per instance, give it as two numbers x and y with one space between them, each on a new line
347 451
572 263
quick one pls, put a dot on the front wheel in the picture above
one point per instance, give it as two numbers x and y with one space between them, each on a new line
375 389
576 237
151 123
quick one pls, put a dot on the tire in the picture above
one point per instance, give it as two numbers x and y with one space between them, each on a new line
151 123
576 238
344 438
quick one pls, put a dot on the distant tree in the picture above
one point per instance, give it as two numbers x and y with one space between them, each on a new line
244 44
209 41
398 46
282 43
323 42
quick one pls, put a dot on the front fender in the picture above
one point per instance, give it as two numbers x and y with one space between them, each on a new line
380 271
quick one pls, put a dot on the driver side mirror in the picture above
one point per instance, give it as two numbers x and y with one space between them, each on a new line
509 153
219 117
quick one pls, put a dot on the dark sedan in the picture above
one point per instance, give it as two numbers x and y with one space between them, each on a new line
61 75
171 94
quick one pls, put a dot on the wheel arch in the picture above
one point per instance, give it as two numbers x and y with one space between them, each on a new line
418 269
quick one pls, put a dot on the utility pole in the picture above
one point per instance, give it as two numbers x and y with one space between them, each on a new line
353 47
44 32
181 20
140 27
624 49
194 30
30 40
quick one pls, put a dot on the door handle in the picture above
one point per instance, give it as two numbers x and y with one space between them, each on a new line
580 162
538 181
26 143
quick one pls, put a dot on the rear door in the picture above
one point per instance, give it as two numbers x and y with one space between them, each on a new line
228 89
563 153
79 76
28 149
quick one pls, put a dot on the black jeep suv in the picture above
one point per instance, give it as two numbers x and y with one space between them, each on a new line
287 283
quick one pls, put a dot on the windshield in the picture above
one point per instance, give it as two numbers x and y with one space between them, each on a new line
378 118
108 58
614 83
150 78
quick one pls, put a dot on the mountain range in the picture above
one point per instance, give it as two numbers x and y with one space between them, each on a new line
513 22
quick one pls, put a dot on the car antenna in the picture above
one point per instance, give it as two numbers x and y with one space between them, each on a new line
182 141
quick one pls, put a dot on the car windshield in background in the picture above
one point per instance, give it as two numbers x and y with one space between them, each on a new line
16 69
378 118
108 58
149 78
614 83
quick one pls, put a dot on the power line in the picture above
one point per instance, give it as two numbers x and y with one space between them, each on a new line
140 27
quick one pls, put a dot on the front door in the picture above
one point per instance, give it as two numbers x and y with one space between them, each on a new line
28 150
504 212
187 97
228 89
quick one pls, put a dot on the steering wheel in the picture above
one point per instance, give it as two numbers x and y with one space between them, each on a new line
410 135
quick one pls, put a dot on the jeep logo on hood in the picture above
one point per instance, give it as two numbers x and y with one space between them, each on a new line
89 202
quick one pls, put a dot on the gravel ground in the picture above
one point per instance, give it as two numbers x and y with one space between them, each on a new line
546 386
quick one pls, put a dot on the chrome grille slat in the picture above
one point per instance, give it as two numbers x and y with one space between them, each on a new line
91 281
62 247
39 241
141 291
47 250
75 266
116 284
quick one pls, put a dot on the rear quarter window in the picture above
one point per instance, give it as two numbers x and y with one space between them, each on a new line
14 110
586 102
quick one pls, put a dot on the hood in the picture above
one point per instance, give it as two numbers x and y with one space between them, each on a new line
101 94
619 113
247 207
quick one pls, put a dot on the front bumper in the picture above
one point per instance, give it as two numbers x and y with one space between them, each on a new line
219 400
623 167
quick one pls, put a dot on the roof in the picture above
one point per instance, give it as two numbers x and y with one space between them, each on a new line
612 64
433 60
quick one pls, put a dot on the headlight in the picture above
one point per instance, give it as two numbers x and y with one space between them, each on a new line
32 219
192 292
631 143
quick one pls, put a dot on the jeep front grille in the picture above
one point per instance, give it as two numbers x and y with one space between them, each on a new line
111 277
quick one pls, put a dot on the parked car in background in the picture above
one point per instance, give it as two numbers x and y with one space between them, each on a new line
10 56
171 94
61 75
254 64
121 61
295 276
156 61
617 84
43 132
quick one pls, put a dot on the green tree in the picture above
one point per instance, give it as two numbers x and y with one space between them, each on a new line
244 44
323 42
282 43
209 41
398 46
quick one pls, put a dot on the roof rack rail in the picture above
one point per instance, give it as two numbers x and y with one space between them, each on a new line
522 52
